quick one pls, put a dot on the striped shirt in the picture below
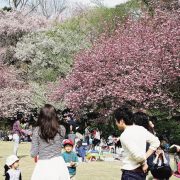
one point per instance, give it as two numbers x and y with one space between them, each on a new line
47 150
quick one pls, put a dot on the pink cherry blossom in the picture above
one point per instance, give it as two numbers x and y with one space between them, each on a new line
139 62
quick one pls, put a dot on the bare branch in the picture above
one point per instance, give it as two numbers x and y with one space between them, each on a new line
18 4
99 3
53 7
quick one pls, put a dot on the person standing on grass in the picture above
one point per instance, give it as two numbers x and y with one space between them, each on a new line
47 144
70 158
17 132
133 140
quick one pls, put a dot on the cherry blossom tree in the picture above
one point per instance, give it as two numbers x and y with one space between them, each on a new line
14 24
50 53
139 63
15 95
163 4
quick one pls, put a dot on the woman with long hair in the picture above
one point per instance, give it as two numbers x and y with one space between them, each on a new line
46 144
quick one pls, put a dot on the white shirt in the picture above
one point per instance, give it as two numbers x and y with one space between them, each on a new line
110 139
97 135
14 174
134 140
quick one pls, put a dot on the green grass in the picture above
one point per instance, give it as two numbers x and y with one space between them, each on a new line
85 171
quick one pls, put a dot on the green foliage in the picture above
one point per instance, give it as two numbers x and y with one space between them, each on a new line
112 16
40 97
96 21
49 54
167 124
169 129
39 94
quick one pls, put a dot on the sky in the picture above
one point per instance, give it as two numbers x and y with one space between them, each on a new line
2 3
108 3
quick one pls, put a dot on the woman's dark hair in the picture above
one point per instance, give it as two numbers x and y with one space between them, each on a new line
48 122
163 172
153 119
19 116
141 119
125 114
79 144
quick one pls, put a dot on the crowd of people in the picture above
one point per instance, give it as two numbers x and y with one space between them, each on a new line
57 148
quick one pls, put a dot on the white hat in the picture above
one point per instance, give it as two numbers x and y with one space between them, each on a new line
11 159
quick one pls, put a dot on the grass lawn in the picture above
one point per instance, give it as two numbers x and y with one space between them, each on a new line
85 171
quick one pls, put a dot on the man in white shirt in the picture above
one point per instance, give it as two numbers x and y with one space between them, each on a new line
133 140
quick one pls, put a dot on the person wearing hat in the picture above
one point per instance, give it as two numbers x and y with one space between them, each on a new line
13 173
70 157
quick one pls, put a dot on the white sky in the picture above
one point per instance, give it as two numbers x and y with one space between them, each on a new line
2 3
108 3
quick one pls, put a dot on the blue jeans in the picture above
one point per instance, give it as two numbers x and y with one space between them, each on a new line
131 175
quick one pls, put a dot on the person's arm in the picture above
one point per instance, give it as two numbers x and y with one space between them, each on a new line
153 141
73 164
166 159
62 131
176 157
175 146
35 144
68 164
156 159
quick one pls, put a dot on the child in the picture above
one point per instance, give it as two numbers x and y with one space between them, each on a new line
81 149
13 173
70 158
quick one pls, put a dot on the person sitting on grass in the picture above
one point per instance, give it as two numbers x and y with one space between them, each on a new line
13 173
176 148
70 158
81 149
161 165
